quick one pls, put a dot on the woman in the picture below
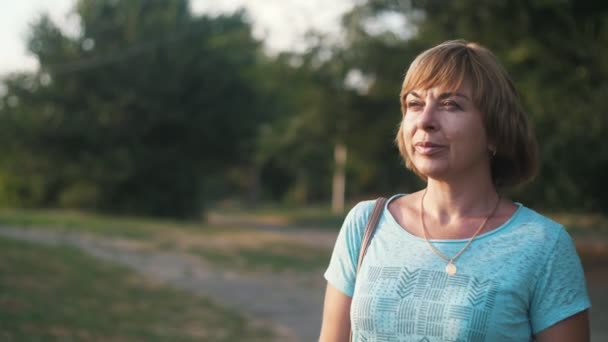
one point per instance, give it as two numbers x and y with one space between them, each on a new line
456 261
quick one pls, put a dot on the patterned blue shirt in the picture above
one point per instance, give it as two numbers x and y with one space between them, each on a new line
512 282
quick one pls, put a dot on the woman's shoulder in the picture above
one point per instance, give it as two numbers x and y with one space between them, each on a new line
532 217
537 226
359 214
361 210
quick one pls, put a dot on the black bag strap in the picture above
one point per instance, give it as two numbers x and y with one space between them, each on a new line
370 228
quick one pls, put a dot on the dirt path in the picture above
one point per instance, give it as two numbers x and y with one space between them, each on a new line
291 304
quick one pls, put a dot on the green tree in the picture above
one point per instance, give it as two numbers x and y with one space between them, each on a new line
294 152
136 113
344 98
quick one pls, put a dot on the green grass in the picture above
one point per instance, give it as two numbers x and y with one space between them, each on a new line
72 220
273 257
305 217
147 228
267 254
60 294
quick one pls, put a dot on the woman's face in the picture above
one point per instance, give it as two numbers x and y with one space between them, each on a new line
444 134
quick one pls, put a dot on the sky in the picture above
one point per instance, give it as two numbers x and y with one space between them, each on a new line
281 23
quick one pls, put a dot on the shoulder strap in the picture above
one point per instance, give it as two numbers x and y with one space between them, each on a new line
370 228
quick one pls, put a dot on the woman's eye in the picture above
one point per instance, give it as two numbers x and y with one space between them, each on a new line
450 105
414 105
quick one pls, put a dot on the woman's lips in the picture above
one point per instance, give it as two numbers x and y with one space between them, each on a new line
428 148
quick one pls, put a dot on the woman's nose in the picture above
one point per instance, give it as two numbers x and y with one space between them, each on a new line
426 120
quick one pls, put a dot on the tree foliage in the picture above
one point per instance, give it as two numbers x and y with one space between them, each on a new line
135 112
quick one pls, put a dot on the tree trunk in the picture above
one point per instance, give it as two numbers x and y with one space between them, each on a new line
254 185
339 180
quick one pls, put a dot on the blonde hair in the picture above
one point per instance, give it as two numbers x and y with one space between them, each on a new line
448 66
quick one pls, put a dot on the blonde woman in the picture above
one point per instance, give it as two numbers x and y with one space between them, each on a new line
456 261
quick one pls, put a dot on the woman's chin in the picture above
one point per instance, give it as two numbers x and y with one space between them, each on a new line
433 171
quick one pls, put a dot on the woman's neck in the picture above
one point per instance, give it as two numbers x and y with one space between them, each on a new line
453 201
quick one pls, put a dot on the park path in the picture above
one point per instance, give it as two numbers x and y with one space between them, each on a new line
290 303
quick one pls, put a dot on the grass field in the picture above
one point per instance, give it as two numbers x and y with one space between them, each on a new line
142 227
267 257
275 215
72 220
61 294
231 245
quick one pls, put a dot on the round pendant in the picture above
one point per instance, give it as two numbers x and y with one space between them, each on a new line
450 269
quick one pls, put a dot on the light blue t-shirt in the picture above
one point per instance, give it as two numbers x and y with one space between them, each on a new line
512 282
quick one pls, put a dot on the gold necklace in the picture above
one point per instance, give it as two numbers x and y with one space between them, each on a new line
450 268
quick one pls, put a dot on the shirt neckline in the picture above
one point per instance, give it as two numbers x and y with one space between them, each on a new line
496 230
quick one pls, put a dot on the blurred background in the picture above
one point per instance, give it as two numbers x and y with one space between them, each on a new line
237 133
